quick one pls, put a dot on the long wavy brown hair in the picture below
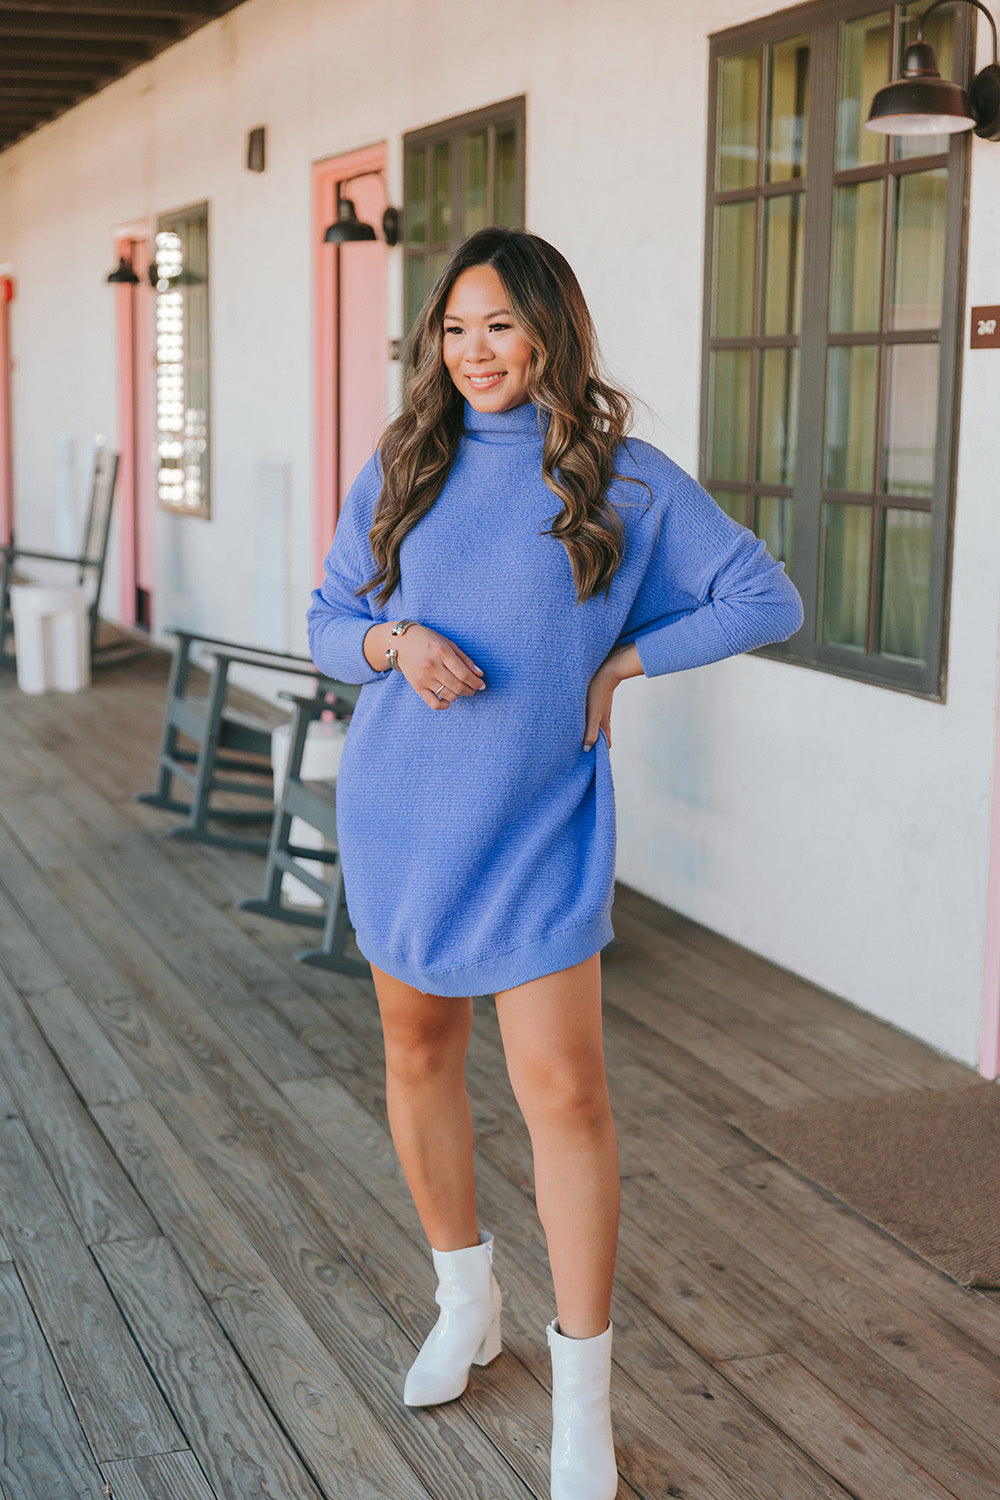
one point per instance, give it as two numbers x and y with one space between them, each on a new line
588 418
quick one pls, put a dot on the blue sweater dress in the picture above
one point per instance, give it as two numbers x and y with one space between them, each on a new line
478 842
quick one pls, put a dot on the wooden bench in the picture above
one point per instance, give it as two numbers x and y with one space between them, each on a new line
315 802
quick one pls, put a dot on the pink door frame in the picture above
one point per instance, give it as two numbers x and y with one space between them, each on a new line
989 1041
133 354
6 429
333 348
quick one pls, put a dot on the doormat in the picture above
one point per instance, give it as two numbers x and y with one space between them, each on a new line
922 1165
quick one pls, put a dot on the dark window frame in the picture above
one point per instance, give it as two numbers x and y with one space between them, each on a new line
455 131
820 21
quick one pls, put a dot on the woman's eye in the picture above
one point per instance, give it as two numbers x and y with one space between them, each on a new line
453 330
499 327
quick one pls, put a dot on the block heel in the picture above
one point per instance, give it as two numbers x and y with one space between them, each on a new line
492 1343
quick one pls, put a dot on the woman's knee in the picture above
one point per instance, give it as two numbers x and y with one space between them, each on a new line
567 1095
419 1046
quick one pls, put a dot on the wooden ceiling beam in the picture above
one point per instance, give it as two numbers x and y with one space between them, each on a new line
55 70
195 11
13 109
15 49
42 92
19 126
24 26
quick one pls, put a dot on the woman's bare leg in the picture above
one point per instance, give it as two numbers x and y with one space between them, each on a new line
426 1040
552 1038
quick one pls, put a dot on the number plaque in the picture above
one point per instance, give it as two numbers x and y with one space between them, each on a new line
985 330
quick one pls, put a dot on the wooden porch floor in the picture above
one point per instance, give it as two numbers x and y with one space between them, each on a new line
211 1278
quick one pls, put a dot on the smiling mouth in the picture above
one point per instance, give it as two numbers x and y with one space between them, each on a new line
482 382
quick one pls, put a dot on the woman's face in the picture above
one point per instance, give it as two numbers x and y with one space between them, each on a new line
484 351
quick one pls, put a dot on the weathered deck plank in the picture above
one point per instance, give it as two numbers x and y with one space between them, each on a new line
751 976
752 1280
67 940
128 895
844 1442
98 1073
871 1313
118 1404
43 1451
965 1315
26 960
166 1476
232 1433
103 1203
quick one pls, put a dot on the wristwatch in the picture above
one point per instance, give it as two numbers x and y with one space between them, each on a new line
400 628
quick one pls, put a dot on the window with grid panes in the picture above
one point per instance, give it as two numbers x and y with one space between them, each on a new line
835 261
458 176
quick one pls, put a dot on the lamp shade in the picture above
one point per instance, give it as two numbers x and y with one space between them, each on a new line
921 102
347 227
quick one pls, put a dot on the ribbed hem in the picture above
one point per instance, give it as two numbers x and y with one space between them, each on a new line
546 956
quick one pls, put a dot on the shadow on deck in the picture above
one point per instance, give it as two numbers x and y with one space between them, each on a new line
212 1279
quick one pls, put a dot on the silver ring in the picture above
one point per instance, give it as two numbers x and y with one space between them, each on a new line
438 691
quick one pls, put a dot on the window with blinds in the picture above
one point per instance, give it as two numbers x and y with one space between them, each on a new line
182 362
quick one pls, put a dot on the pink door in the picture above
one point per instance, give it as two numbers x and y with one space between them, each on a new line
134 505
351 350
6 434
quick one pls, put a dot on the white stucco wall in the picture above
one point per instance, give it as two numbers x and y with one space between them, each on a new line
839 829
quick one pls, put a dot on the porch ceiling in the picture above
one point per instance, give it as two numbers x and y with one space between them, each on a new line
55 53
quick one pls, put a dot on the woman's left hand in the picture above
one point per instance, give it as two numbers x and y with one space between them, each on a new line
623 662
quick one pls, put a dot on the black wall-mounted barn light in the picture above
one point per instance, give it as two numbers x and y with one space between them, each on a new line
347 228
921 102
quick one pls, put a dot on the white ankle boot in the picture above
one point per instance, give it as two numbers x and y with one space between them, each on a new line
467 1331
583 1450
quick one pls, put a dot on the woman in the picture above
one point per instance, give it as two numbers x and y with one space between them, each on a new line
501 565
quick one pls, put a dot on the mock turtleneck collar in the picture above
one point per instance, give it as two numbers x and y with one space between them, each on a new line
522 424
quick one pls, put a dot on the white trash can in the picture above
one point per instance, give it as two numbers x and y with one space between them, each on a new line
320 762
51 637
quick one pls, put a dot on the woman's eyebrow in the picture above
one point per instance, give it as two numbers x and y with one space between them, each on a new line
499 312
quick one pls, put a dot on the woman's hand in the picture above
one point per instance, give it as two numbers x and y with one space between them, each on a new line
437 670
623 662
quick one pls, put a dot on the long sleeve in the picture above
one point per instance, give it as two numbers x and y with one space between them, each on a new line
338 619
710 589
